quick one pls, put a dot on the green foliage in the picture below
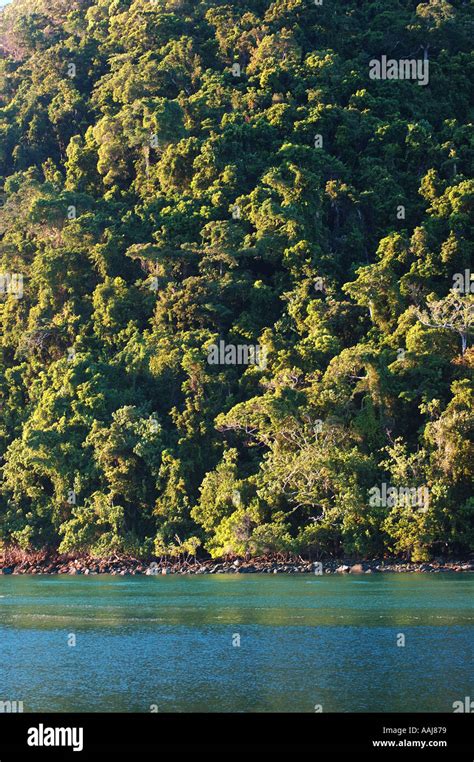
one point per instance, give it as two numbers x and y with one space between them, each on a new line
164 188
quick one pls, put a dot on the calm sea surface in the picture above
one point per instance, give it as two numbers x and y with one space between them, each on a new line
173 642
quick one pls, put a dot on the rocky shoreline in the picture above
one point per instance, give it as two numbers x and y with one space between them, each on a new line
128 566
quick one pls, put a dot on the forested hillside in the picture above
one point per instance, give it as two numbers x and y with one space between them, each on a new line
183 176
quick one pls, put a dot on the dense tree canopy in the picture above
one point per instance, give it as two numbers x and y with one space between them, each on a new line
179 173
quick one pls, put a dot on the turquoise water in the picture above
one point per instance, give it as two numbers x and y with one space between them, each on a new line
172 643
